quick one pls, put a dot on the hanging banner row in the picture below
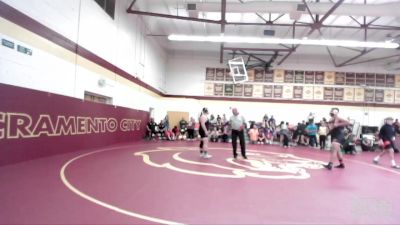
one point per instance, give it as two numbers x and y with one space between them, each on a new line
309 77
302 92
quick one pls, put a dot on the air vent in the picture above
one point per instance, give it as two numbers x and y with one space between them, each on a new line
191 6
301 7
269 32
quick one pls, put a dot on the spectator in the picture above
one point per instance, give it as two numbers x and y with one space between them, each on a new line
312 134
151 129
322 132
284 134
225 133
183 128
169 135
261 135
253 134
176 132
166 122
161 129
349 146
269 136
214 135
190 128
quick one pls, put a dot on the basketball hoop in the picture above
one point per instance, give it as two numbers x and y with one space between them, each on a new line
238 70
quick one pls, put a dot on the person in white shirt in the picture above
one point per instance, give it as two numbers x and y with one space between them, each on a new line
238 124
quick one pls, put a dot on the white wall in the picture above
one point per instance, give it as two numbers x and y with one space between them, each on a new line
122 42
186 76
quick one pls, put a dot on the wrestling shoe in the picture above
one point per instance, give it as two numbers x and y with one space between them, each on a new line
396 167
328 166
340 166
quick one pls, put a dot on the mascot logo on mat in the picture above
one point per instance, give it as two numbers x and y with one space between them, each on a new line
260 164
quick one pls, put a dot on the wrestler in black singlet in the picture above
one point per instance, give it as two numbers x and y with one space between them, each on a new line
337 135
202 131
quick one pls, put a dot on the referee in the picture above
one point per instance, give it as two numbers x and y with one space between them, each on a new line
238 124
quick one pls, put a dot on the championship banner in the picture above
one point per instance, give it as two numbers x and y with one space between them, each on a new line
308 92
269 76
289 76
329 78
309 77
210 73
380 80
369 95
250 75
248 90
397 97
390 81
219 74
339 93
350 78
279 75
268 91
348 94
360 79
258 91
298 92
340 78
287 92
379 95
359 94
238 90
278 90
319 77
318 93
299 77
48 124
218 89
228 89
208 89
397 81
328 93
389 96
228 76
258 75
370 79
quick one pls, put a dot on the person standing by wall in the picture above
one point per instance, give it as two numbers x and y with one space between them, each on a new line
322 132
238 125
190 129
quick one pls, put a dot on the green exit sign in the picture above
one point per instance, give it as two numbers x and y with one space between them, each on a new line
24 50
7 43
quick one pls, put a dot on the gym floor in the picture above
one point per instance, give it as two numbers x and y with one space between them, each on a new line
167 182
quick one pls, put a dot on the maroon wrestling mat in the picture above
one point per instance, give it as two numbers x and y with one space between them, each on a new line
167 182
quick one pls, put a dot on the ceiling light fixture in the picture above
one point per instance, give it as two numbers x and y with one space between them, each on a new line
257 40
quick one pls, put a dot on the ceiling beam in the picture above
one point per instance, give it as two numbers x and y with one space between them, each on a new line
314 26
223 22
257 49
355 57
371 60
130 11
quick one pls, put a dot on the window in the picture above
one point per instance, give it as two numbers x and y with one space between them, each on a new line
108 6
89 96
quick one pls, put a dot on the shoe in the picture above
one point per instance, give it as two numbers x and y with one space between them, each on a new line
328 166
202 154
375 161
244 157
340 166
235 156
396 167
206 156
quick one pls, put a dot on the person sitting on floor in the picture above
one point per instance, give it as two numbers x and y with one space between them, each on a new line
214 135
253 134
261 136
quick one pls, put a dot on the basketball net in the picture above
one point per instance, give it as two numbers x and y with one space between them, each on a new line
238 70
